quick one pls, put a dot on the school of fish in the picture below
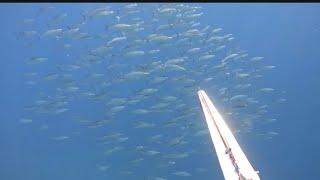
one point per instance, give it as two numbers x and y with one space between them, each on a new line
131 72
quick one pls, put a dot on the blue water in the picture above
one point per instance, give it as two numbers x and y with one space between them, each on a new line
286 35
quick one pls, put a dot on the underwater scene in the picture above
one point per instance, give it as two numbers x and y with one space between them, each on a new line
108 91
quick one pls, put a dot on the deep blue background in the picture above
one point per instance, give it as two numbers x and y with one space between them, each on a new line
287 35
